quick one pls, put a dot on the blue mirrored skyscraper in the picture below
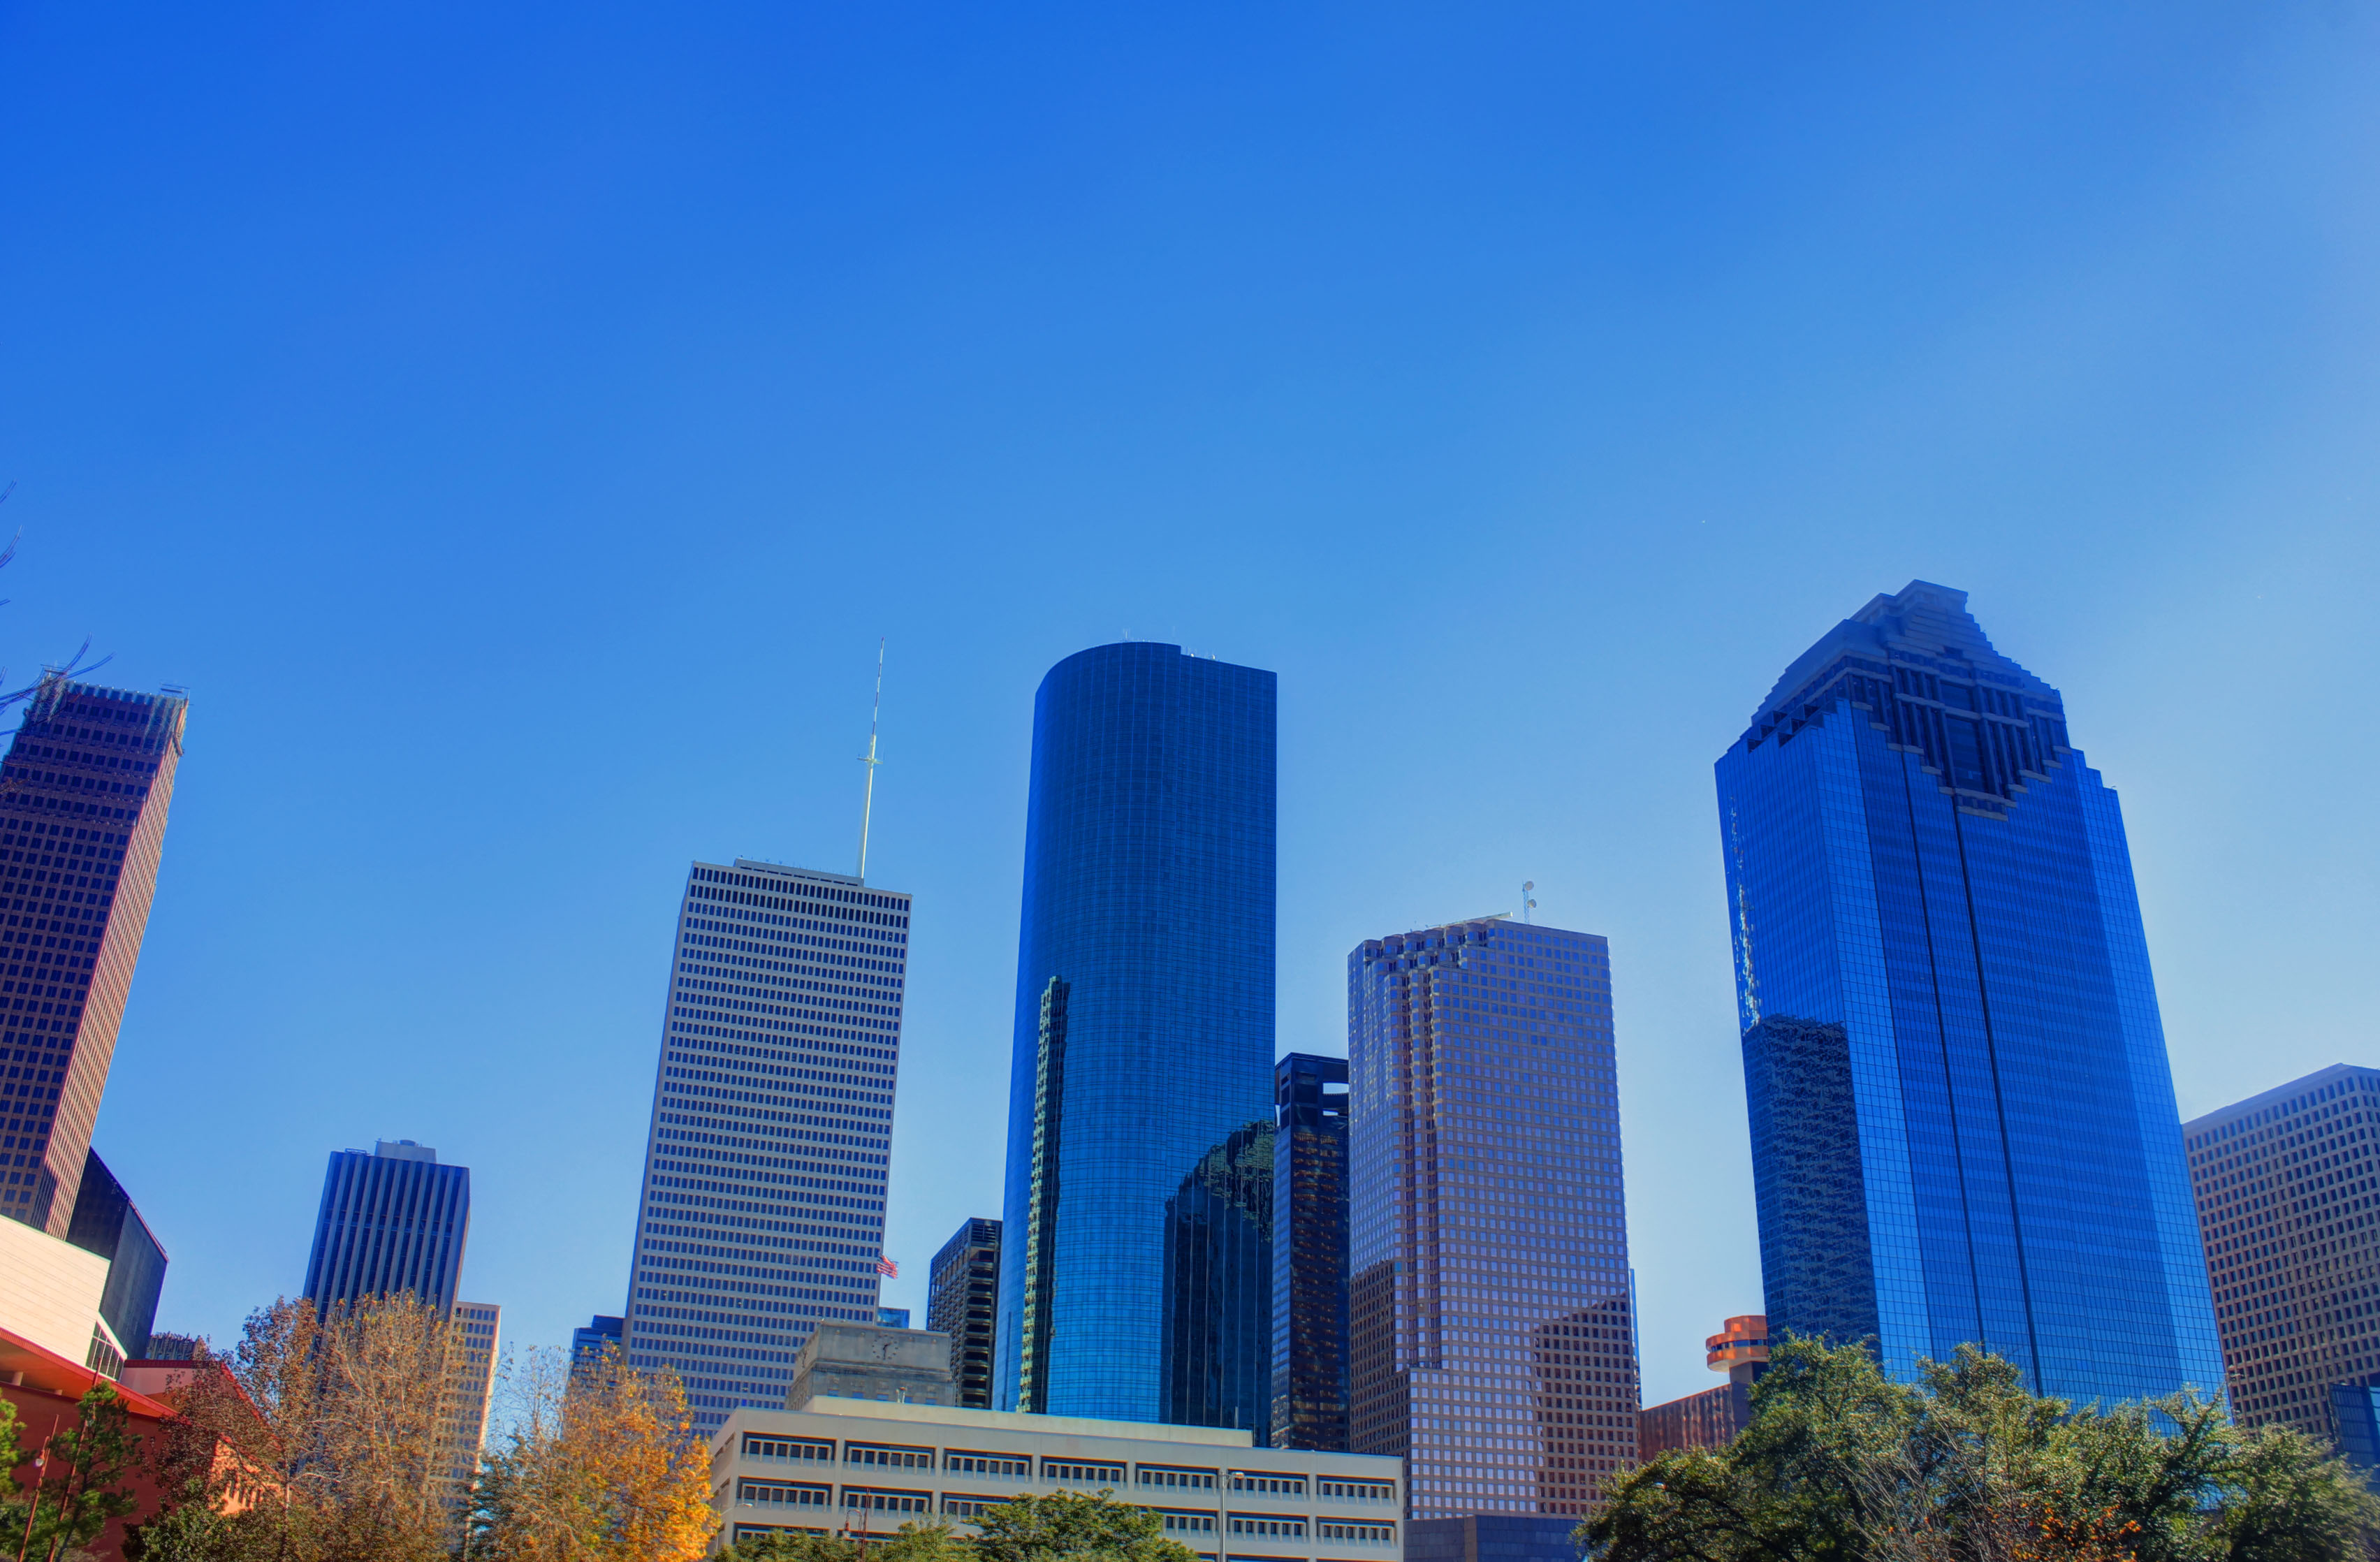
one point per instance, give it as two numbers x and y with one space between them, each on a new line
1144 1006
1963 1121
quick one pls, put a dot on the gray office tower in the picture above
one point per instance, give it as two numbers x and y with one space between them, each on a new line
763 1205
962 1300
391 1222
107 1223
1491 1341
1310 1253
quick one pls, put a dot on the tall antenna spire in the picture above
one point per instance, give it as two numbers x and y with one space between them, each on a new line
868 807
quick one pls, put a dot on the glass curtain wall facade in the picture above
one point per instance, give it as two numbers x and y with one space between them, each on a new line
391 1223
1962 1123
84 792
1144 1033
2288 1198
1309 1252
763 1204
1492 1339
1218 1320
963 1301
106 1222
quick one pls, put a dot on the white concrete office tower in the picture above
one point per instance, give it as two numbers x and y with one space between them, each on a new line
763 1207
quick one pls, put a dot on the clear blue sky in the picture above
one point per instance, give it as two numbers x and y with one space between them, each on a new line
516 424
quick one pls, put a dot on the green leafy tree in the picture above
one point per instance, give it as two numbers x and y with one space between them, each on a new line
1064 1526
83 1481
1842 1464
191 1531
12 1457
911 1543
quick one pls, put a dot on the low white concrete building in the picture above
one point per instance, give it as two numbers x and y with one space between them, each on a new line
842 1465
49 1294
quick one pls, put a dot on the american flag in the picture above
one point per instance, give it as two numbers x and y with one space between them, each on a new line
887 1268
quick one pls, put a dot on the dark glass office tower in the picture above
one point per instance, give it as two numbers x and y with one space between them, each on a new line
391 1222
1490 1336
963 1301
1217 1328
1962 1123
84 796
1143 1004
765 1163
107 1223
1309 1252
599 1334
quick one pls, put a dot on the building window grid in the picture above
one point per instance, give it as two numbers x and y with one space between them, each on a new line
714 1127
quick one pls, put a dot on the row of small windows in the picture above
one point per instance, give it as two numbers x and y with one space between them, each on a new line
1279 1526
2364 1087
796 887
968 1461
714 885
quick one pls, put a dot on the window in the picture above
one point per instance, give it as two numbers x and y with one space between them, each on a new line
757 1447
1268 1483
754 1532
894 1455
957 1464
882 1501
956 1506
1360 1532
1087 1472
1277 1524
1361 1491
1178 1523
794 1492
1175 1475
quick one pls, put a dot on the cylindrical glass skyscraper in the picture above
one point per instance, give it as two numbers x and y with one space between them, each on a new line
1144 1005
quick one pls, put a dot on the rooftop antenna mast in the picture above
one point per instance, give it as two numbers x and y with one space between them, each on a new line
868 806
1528 905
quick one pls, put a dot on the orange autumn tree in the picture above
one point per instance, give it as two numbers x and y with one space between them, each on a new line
601 1464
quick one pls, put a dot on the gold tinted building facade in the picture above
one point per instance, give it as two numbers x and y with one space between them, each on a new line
2288 1186
1492 1342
